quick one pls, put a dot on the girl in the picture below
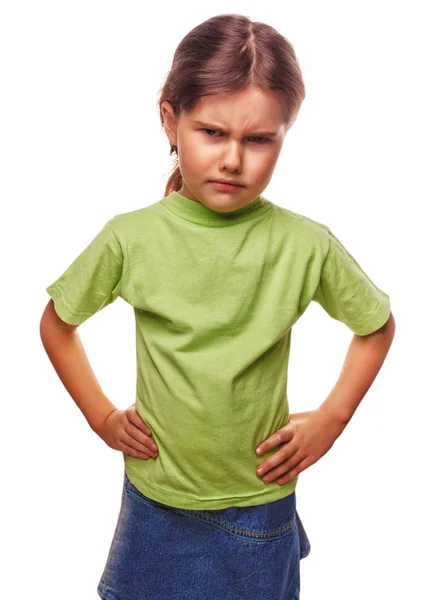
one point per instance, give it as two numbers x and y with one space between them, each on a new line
217 275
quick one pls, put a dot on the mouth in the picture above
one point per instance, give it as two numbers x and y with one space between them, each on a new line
220 185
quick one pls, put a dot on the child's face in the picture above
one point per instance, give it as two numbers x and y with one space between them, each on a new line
231 148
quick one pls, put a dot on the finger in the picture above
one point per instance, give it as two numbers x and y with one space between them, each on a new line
140 446
301 466
132 451
286 453
134 417
138 437
283 435
283 467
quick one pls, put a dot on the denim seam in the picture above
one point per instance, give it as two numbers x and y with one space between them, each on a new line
105 595
296 593
199 515
306 550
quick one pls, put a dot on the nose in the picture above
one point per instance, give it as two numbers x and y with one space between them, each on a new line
232 157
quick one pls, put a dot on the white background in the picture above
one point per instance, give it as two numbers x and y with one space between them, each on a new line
80 142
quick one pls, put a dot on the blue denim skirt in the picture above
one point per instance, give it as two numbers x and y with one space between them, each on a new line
159 552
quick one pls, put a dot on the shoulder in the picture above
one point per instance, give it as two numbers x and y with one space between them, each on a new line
307 230
135 224
134 218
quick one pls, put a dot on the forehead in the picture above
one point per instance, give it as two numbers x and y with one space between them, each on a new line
252 108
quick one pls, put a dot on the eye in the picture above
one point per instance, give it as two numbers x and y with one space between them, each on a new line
263 140
213 130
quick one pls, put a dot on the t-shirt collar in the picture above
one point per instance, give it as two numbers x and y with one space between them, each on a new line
199 213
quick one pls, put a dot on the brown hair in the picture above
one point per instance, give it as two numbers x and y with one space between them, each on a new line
226 54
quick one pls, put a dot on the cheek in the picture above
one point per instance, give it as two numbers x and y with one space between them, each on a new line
193 157
261 165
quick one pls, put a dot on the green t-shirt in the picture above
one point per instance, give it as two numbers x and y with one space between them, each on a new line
215 296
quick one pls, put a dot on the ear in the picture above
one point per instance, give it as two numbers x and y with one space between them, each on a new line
169 121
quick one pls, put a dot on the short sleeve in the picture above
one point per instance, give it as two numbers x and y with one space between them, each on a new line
92 281
347 294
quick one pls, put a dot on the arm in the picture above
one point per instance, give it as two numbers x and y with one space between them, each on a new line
363 362
309 435
67 355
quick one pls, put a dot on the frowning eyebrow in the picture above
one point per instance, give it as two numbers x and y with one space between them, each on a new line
214 127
